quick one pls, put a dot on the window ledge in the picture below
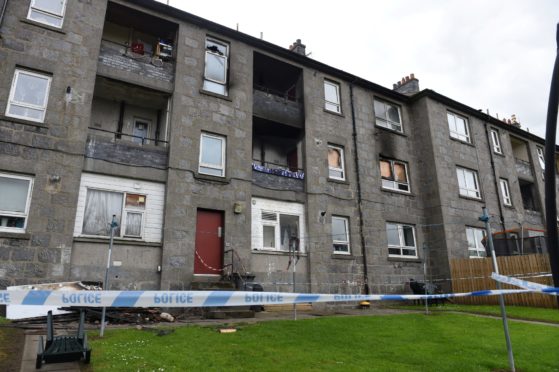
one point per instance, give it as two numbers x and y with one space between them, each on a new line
342 256
342 182
119 241
207 177
216 95
391 130
14 235
397 192
461 141
275 253
499 154
42 25
23 121
470 198
404 259
340 114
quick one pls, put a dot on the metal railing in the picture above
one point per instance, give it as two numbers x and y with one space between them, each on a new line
293 97
277 165
235 270
118 135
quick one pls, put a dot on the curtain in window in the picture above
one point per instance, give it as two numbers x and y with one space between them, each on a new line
334 158
13 193
133 224
99 209
385 170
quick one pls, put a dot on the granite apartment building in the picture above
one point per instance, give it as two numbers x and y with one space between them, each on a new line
218 152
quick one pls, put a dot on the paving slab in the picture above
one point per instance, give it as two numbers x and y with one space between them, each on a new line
30 356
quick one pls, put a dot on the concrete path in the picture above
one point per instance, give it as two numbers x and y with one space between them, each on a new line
30 356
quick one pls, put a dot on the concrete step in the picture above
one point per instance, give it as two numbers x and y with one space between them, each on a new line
221 285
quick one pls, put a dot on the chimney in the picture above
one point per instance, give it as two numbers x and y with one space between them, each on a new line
514 121
409 85
298 47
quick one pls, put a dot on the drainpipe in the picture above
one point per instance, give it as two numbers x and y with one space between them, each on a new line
496 181
2 11
359 200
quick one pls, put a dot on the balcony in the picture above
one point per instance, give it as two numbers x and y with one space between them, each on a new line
277 106
277 177
523 168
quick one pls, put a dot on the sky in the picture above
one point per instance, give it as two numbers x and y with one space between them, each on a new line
494 55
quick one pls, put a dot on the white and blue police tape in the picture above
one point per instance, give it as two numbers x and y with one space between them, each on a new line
206 298
524 284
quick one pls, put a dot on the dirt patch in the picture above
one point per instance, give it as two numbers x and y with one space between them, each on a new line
11 348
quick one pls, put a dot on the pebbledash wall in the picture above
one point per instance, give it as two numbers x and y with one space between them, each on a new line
62 158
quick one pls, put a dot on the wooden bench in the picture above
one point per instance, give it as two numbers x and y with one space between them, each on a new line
62 349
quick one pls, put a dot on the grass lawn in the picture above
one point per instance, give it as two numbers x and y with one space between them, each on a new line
406 342
518 312
3 320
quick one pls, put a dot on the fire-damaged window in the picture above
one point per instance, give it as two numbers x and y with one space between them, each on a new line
336 169
388 115
277 226
401 240
137 206
529 197
332 96
49 12
475 238
15 197
29 96
458 126
394 175
340 235
215 72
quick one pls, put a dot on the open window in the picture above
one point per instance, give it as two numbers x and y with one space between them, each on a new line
496 142
216 66
468 183
15 197
529 196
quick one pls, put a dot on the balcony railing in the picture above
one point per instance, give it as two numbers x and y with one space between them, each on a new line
523 168
277 178
281 107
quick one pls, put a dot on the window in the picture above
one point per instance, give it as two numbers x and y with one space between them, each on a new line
401 240
101 205
137 205
468 183
215 73
29 96
212 155
505 191
49 12
496 142
458 126
336 162
15 192
394 175
541 157
332 96
340 235
387 115
277 226
475 237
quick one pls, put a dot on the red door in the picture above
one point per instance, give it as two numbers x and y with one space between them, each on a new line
208 258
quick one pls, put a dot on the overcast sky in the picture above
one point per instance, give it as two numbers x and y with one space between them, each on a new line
495 55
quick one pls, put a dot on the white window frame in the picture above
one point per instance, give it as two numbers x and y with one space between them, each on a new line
12 101
329 105
345 242
455 132
477 250
393 184
208 165
124 215
402 245
276 224
385 122
474 193
33 7
24 215
342 161
505 192
496 141
541 156
225 57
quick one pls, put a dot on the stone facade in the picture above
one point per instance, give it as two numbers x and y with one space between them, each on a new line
57 151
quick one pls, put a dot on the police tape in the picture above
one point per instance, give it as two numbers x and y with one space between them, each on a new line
524 284
209 298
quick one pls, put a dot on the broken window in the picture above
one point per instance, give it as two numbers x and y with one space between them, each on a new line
475 238
458 126
387 115
332 96
340 235
215 73
401 240
336 162
468 183
528 195
212 155
394 175
29 96
280 231
496 141
49 12
15 192
505 192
